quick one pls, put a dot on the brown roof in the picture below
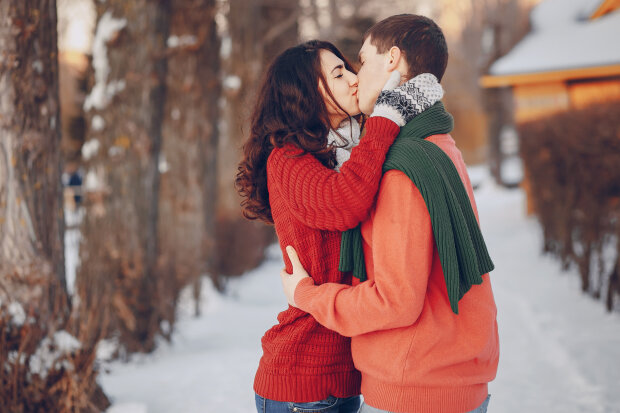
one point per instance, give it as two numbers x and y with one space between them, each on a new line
605 7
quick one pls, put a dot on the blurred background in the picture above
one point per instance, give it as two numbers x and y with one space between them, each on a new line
121 126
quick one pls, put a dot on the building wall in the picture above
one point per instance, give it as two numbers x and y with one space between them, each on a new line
585 93
535 101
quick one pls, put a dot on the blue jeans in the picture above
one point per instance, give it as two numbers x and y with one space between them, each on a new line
480 409
330 405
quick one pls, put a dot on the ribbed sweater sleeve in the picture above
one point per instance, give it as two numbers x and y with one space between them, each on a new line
402 254
324 199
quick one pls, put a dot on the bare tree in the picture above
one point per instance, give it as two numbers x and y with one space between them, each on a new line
490 29
34 304
349 21
31 221
190 137
257 31
504 24
342 22
118 275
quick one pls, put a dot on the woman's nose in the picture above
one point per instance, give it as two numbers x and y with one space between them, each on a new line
353 81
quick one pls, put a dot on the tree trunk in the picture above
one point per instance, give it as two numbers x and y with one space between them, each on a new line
506 22
31 220
34 304
494 101
190 137
258 31
346 32
118 255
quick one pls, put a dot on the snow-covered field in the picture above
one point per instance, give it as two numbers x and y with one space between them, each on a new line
560 350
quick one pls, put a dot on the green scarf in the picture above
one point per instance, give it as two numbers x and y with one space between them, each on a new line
462 251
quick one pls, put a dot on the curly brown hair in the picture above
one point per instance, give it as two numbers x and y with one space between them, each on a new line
290 109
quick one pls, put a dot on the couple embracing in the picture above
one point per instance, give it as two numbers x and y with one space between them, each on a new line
386 268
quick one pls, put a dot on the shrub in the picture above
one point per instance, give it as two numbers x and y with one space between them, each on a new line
572 164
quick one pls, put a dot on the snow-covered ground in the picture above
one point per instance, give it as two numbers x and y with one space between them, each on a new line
560 350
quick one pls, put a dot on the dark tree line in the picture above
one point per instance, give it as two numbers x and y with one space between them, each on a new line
154 217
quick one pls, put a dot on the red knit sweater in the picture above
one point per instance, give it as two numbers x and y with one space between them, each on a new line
311 204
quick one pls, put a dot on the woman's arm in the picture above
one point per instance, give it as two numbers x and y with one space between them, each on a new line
402 252
323 198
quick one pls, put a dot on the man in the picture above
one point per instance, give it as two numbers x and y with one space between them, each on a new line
423 324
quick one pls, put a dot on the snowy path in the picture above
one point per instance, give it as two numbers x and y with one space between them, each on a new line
560 350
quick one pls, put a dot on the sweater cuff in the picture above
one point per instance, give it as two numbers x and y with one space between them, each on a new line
303 294
386 129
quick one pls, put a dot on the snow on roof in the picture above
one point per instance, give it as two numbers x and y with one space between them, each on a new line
563 37
552 13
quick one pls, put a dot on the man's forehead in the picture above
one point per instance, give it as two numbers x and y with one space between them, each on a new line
366 47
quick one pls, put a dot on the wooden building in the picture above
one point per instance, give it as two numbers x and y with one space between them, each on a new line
569 60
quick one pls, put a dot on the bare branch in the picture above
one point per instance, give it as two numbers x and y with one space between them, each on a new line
275 31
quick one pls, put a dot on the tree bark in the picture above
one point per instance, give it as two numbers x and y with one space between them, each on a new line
258 31
34 304
508 21
31 219
118 255
190 138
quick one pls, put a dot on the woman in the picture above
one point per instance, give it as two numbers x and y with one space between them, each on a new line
288 178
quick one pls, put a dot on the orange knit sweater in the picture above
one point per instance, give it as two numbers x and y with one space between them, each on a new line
414 353
303 361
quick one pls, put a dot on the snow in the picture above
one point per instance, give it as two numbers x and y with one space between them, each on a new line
559 347
94 180
560 39
226 47
232 82
478 174
512 170
97 123
211 363
163 166
12 359
76 20
37 65
17 313
115 151
179 41
90 148
106 349
103 91
50 350
509 140
552 13
73 237
128 407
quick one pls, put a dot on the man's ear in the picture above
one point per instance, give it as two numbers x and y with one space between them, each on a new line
394 56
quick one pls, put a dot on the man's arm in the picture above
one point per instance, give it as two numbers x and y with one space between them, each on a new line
402 253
